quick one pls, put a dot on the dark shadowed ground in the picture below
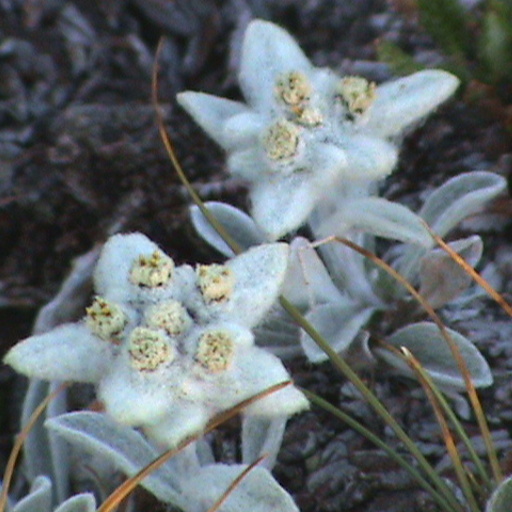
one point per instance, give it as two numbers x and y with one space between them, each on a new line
81 158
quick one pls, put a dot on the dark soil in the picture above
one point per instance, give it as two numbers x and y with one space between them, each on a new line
81 158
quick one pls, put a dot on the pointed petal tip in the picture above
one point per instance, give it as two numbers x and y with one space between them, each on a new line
286 402
445 83
258 28
267 51
10 358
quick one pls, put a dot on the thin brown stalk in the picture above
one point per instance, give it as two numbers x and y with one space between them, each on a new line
459 429
449 442
169 146
375 403
472 272
468 381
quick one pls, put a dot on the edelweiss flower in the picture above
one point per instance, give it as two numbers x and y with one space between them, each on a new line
169 348
305 129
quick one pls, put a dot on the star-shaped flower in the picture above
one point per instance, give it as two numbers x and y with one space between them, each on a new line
170 347
305 130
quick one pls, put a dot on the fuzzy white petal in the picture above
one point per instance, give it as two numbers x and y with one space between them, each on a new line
402 103
281 203
211 113
259 274
242 130
136 397
69 352
112 274
185 420
368 158
248 164
258 370
268 51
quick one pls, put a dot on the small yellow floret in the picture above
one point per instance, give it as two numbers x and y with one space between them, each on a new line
216 282
356 93
294 88
170 316
215 351
310 117
149 349
152 271
105 319
282 140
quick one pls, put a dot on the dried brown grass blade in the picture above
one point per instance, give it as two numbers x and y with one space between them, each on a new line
129 485
235 484
169 146
472 272
470 387
449 441
18 444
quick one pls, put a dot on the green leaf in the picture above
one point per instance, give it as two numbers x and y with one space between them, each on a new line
339 324
39 497
79 503
401 63
446 206
45 454
378 217
238 224
441 278
501 498
123 447
427 344
447 23
495 44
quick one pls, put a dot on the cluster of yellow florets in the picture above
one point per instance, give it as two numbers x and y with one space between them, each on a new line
152 271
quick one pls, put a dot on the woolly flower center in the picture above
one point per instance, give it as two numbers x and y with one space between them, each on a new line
105 319
170 316
309 117
294 88
216 282
356 93
282 140
152 270
215 351
149 349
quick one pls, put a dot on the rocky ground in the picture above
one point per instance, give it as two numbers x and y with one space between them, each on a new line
81 158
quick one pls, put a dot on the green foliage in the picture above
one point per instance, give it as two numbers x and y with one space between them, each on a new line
447 23
400 62
495 44
477 46
502 497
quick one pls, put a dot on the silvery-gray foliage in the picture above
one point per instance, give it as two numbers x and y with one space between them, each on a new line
501 498
40 499
191 481
43 452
